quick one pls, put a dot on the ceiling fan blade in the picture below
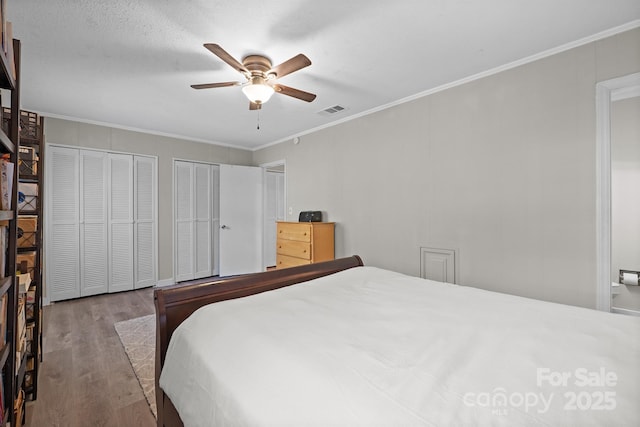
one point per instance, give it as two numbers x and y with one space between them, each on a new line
224 55
212 85
296 93
254 106
287 67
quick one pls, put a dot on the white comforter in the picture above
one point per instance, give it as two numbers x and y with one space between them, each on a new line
370 347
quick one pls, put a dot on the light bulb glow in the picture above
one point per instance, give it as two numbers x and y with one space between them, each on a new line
257 91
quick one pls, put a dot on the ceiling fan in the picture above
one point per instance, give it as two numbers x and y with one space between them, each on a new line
261 76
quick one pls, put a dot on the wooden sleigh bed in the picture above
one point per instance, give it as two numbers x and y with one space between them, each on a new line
367 346
175 303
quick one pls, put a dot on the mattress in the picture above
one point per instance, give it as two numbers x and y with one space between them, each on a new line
371 347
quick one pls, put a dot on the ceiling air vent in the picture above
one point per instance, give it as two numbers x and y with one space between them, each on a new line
332 110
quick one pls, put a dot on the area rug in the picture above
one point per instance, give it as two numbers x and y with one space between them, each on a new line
138 337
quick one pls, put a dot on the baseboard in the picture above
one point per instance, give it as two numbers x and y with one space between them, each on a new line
625 311
165 282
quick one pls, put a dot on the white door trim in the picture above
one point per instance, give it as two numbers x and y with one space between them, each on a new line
265 167
605 92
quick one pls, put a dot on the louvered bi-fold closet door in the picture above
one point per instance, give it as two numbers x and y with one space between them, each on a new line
202 220
94 278
62 267
120 222
184 246
144 221
215 220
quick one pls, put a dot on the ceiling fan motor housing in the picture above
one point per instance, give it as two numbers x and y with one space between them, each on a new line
257 65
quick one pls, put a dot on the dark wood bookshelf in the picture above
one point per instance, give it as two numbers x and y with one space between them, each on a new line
8 146
31 136
20 375
4 353
28 178
9 143
7 80
5 284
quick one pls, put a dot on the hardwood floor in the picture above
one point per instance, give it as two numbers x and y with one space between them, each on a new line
86 379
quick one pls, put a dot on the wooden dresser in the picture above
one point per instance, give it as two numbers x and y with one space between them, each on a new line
304 243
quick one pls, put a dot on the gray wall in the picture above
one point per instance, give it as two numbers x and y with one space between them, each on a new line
166 149
625 197
501 169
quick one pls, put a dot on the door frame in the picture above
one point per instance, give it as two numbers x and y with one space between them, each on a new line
265 167
606 92
215 226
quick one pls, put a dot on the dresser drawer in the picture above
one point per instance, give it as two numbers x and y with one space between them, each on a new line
294 248
294 231
284 261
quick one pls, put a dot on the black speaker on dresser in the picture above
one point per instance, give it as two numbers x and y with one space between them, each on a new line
310 216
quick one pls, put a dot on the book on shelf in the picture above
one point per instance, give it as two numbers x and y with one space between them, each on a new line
6 183
26 262
21 333
6 39
2 396
28 161
4 234
24 281
27 227
9 48
3 320
31 298
2 25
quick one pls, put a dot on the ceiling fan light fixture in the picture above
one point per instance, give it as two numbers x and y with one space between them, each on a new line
257 90
262 77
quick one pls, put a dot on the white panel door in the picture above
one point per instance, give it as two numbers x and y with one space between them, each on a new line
120 222
183 205
241 219
93 223
62 261
144 174
202 220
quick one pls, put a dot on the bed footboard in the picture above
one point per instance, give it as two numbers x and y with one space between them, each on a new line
175 303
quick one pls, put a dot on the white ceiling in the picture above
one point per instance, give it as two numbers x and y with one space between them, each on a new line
129 63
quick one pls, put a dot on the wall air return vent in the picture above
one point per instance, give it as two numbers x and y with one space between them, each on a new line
332 110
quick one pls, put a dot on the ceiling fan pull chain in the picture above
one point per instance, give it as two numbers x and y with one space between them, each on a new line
258 120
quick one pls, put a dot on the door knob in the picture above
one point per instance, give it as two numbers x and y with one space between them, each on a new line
224 227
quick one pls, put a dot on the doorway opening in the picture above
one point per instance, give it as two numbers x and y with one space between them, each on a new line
274 207
608 92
